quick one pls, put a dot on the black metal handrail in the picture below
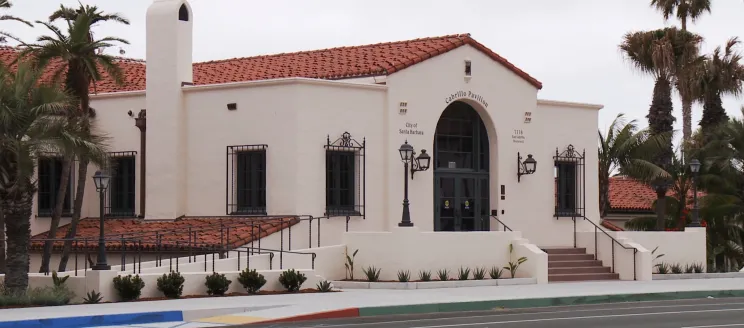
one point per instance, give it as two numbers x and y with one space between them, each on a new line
132 243
506 227
614 241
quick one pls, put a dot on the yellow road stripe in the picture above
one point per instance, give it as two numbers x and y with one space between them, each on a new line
231 319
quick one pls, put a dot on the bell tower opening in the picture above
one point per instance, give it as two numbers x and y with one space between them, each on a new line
183 13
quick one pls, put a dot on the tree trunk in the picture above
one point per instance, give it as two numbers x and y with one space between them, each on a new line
604 195
661 209
2 239
64 181
713 114
17 205
686 122
76 213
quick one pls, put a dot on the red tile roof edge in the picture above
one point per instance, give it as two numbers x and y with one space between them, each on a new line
239 233
628 195
609 225
383 61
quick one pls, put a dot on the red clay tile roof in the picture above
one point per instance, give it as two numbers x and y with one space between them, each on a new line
173 235
629 195
609 225
333 63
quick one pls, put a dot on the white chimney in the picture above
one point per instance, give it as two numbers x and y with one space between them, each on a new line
169 65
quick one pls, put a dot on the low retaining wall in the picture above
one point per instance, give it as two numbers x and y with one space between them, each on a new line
102 282
433 284
680 276
413 250
679 247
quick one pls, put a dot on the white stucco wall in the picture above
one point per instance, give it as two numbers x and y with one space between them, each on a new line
415 250
529 205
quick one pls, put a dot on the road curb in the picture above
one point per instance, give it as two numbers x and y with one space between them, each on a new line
98 320
542 302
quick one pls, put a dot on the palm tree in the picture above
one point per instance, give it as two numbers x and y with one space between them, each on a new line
723 206
6 4
653 53
684 10
83 60
720 74
678 174
31 122
624 148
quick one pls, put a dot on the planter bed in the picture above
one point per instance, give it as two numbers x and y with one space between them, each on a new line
680 276
149 299
359 284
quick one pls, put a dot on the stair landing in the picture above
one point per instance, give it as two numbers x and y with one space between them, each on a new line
574 264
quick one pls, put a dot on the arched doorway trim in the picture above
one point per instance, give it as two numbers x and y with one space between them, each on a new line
461 170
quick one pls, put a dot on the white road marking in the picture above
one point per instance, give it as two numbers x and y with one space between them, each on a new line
526 313
575 318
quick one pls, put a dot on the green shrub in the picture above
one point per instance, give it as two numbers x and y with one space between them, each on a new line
662 268
443 274
676 268
350 265
463 273
129 288
697 268
514 265
93 297
404 276
292 280
372 273
688 268
324 286
251 280
495 272
425 275
171 284
217 284
479 273
44 296
59 282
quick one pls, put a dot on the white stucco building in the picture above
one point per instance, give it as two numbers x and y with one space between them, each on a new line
318 133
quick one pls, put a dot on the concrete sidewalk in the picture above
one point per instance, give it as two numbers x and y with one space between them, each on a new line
248 309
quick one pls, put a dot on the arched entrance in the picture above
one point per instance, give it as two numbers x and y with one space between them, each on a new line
461 165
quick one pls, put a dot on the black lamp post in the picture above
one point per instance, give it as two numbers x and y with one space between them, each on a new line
695 168
102 183
420 163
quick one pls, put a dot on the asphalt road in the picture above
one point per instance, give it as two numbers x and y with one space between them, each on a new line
701 313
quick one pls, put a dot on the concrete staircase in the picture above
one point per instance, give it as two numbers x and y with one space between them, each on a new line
574 264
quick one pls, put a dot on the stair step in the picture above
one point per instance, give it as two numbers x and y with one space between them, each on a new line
583 276
570 270
571 250
570 257
574 264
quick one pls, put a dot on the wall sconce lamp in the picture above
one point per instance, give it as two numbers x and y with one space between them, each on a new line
526 167
408 155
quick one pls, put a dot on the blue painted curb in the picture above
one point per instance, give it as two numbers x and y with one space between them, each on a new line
97 320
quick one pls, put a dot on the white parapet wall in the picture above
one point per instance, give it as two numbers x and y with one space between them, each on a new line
413 250
679 247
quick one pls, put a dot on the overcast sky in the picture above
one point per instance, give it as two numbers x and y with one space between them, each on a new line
569 45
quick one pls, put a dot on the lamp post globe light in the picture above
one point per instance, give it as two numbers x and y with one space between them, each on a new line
695 168
420 163
102 183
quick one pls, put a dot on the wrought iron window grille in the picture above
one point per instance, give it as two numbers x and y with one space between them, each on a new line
120 196
49 169
245 176
570 183
345 176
